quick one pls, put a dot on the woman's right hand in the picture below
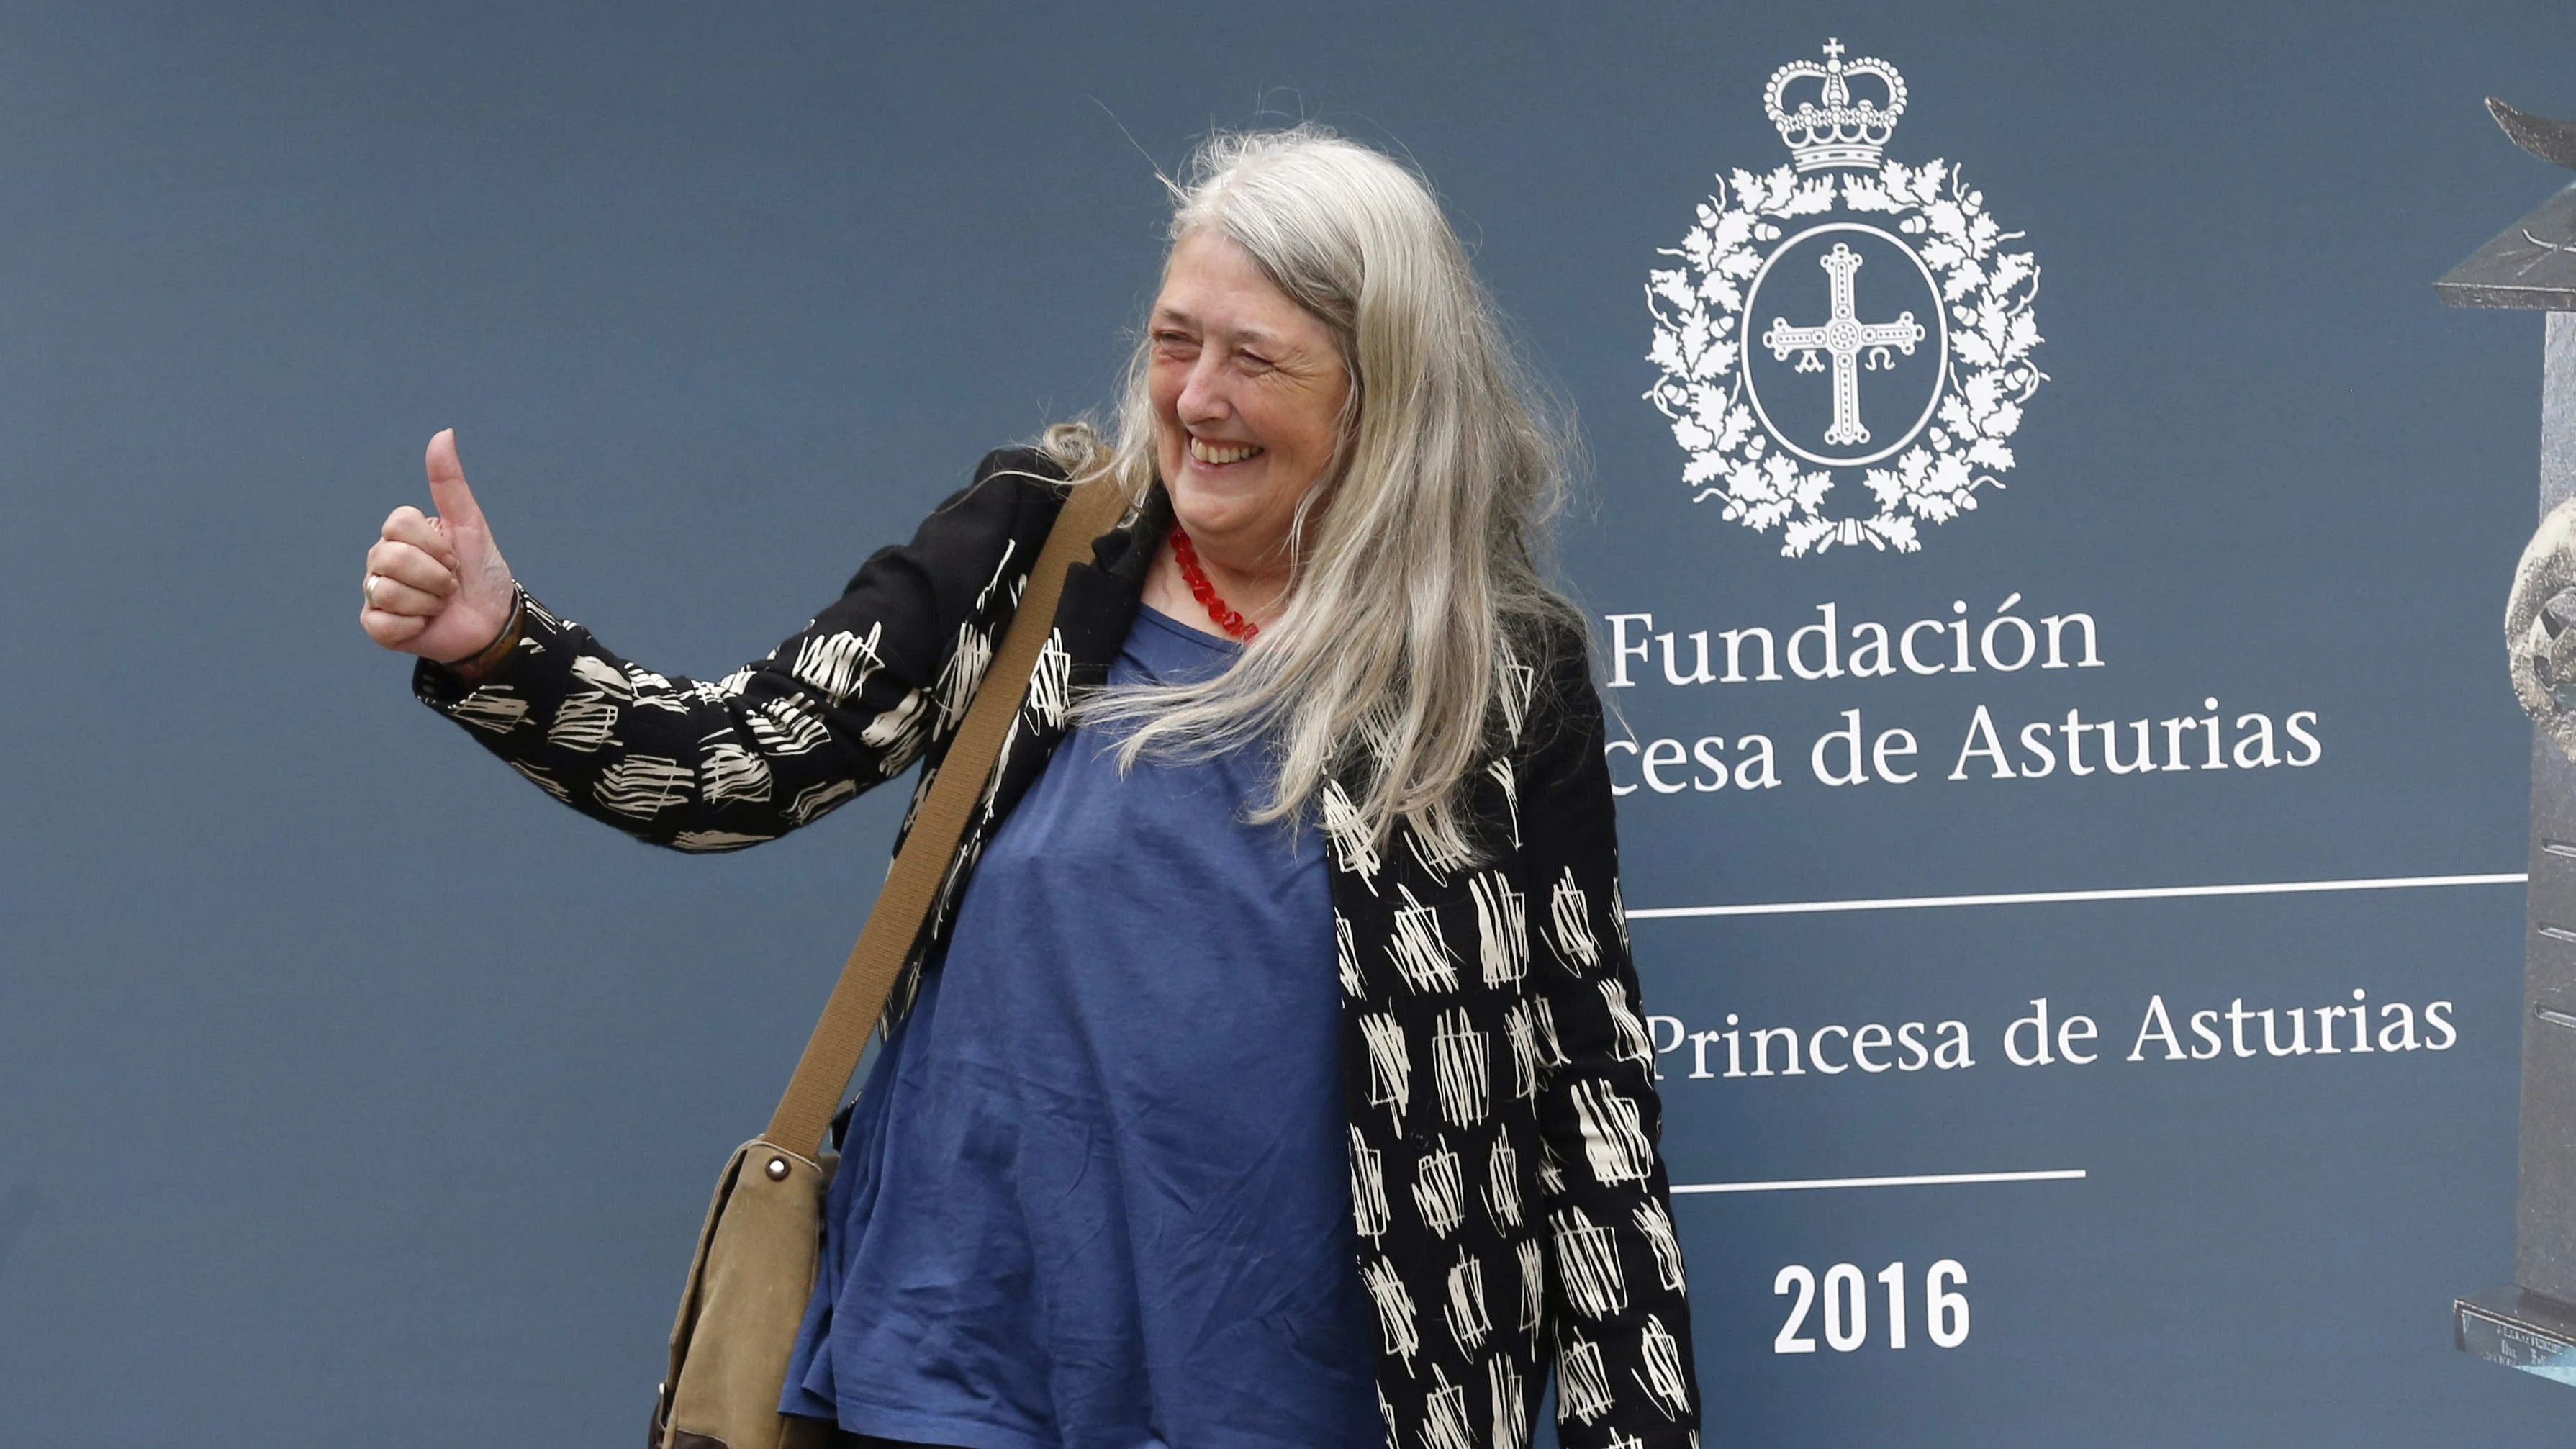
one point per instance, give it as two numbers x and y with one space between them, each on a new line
437 587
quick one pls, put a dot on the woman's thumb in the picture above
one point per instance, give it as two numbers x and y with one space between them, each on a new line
447 491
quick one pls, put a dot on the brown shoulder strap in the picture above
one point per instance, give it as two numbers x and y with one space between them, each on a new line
903 903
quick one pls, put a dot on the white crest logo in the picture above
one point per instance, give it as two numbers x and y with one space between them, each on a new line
1844 316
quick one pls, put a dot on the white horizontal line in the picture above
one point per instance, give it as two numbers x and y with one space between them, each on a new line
1938 1179
2034 898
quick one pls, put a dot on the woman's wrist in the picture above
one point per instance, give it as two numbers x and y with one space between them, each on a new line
475 667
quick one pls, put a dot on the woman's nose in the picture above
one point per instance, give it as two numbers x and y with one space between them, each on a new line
1204 397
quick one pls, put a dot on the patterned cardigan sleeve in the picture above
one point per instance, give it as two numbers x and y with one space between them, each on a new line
847 702
1617 1296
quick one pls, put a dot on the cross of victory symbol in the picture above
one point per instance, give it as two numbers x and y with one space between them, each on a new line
1844 338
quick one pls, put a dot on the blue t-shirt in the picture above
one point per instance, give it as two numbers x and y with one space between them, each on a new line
1096 1193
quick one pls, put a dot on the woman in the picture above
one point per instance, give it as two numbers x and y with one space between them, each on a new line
1197 1126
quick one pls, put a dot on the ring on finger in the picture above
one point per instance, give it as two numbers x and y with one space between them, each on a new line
369 589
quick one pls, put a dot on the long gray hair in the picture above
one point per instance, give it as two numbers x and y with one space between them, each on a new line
1416 611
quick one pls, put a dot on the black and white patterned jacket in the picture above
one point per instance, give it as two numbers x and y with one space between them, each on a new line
1511 1203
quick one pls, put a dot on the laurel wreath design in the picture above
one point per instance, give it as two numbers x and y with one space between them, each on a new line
1699 335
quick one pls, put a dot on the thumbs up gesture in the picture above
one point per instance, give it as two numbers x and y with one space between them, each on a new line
437 587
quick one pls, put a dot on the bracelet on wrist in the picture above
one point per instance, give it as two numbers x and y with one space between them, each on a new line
482 662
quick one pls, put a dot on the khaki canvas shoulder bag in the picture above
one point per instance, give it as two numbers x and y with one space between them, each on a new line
762 1241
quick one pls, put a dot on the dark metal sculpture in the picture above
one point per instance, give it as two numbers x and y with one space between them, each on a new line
2531 263
2530 1323
2553 141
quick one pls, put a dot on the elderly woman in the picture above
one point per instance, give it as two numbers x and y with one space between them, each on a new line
1271 1071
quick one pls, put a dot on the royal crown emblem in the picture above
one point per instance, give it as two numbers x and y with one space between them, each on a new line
1844 319
1842 131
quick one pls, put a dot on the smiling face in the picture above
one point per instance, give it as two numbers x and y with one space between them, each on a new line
1248 389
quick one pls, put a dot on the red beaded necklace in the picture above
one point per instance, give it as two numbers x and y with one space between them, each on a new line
1235 625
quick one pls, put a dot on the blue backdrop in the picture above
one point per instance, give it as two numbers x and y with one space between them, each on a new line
346 1081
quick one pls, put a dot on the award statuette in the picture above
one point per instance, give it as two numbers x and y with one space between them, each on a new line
2530 1323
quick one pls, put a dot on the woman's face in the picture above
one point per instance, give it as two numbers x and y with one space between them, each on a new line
1248 390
